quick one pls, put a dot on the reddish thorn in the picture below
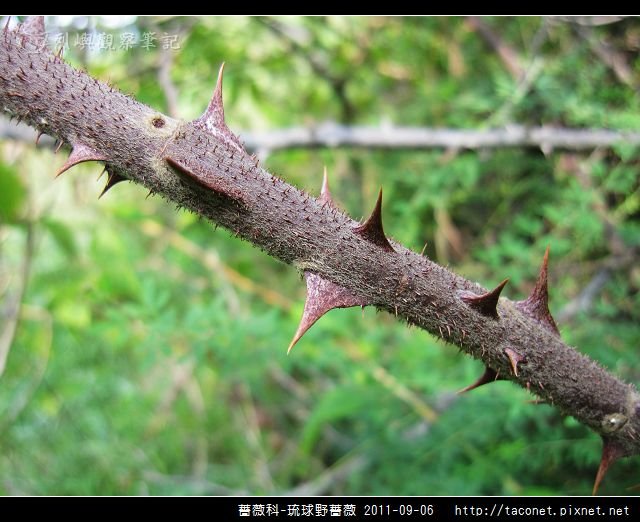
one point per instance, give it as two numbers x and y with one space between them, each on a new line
486 304
536 305
488 376
205 179
325 194
214 115
213 118
372 229
322 296
514 359
40 133
114 179
79 154
610 453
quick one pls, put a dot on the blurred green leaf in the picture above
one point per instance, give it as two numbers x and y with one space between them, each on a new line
62 234
12 194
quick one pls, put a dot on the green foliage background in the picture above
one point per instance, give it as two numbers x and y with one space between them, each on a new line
150 352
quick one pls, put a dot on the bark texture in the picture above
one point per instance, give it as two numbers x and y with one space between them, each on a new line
201 165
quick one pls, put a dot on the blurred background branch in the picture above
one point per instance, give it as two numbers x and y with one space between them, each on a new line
333 135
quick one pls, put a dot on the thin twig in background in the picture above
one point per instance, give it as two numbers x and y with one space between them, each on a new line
329 478
11 311
506 53
581 171
584 300
249 422
525 81
193 485
605 269
622 257
611 57
334 135
588 21
212 262
389 382
17 406
319 64
182 380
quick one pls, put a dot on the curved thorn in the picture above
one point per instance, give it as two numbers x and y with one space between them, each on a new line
514 359
38 136
204 179
325 194
486 304
489 375
112 180
216 105
213 117
610 453
536 305
80 154
372 229
322 296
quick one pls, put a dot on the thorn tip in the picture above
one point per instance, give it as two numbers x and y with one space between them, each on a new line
536 305
322 296
610 453
514 359
213 117
489 376
487 303
79 154
372 229
325 193
112 180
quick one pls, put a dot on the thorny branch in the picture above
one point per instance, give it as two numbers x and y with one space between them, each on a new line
202 165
